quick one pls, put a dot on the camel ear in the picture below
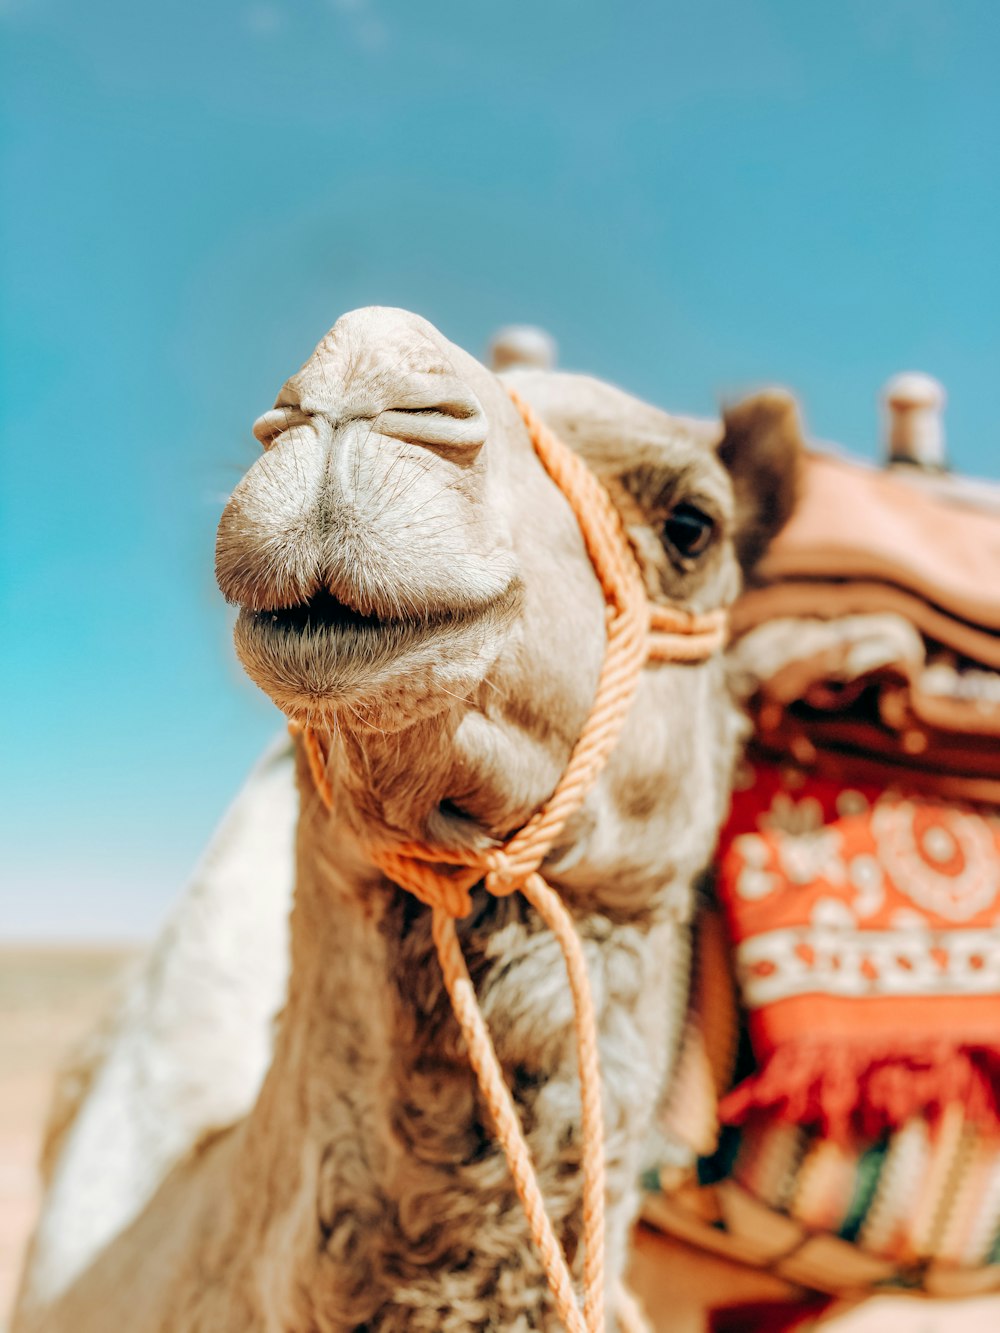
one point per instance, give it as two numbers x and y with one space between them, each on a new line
762 448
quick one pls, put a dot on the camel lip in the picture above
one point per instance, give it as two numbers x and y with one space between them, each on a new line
323 613
321 657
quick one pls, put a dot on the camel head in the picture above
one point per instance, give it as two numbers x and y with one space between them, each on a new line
368 550
411 581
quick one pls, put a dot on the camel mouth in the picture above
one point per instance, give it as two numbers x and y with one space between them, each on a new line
321 613
321 654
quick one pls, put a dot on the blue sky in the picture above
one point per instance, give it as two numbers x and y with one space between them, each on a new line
693 198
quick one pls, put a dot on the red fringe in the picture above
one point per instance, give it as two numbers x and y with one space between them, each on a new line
843 1088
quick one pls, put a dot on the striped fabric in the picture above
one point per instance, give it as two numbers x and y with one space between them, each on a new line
916 1208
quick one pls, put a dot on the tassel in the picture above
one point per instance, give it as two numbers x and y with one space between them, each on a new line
869 1089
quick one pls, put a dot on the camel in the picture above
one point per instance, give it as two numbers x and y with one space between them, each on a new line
412 585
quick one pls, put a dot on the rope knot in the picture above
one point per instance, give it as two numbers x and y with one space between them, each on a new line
502 877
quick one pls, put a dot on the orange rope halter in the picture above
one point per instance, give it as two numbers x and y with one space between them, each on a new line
636 631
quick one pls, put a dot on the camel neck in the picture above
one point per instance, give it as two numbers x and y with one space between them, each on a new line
397 1173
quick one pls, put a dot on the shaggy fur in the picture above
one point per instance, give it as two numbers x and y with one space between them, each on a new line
411 580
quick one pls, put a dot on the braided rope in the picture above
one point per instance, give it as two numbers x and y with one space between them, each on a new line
636 631
550 908
484 1061
680 636
317 762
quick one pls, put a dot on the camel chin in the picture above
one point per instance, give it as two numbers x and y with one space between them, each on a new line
322 659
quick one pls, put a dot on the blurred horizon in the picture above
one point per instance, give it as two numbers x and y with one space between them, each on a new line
693 200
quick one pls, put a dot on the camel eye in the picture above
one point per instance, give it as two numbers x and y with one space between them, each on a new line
688 531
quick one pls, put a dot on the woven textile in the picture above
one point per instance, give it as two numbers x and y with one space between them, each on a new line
867 949
917 1208
856 1009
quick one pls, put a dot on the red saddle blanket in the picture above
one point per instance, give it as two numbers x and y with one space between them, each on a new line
866 935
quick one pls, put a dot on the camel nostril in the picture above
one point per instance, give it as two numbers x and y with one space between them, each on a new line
267 429
454 423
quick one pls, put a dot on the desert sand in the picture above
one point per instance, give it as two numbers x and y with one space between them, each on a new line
49 997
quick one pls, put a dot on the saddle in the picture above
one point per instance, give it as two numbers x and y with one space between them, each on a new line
835 1115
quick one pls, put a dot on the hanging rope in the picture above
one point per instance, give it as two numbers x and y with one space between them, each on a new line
636 631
